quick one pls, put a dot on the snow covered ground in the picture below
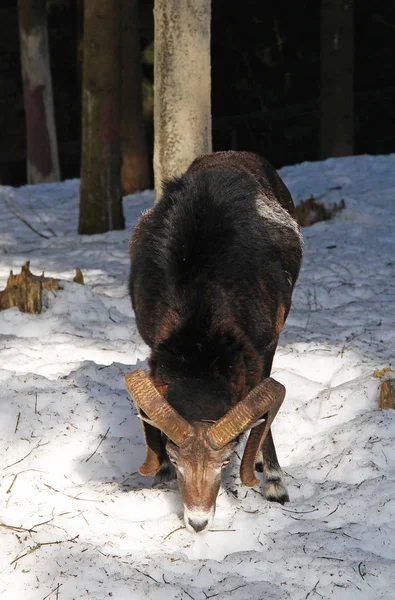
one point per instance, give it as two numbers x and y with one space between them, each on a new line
76 518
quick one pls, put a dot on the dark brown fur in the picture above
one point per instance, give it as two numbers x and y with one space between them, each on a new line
213 270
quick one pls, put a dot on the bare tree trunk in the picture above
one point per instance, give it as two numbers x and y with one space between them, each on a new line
42 150
79 50
100 193
182 107
337 71
135 167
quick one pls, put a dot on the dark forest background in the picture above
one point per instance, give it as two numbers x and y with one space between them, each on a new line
265 80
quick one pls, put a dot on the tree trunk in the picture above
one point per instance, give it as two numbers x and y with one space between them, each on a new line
182 109
135 167
42 151
100 191
79 50
337 70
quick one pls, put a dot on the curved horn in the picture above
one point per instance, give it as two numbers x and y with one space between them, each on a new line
266 397
154 450
146 397
254 443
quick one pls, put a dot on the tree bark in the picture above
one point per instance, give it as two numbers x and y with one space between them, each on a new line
135 167
337 70
79 50
42 151
182 106
100 191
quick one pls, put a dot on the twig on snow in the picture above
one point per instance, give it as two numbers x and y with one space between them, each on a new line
39 217
171 533
16 528
38 445
39 545
103 437
362 570
338 463
17 422
23 220
339 530
30 529
300 512
48 521
54 590
69 495
188 594
314 590
146 575
227 591
12 483
333 511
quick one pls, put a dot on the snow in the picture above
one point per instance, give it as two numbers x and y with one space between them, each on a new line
73 506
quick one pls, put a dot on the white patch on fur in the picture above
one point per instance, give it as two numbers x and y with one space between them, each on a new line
274 486
272 211
275 490
273 474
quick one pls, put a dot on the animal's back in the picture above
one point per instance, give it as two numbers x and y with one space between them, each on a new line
221 244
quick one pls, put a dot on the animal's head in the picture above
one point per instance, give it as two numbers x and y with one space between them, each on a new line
200 450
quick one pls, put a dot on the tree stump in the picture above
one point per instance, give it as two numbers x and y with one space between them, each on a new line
25 290
387 394
310 211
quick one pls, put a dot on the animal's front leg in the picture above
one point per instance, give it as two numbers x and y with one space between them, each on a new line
274 487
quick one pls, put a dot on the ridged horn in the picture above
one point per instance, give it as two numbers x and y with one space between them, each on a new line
148 399
255 441
266 397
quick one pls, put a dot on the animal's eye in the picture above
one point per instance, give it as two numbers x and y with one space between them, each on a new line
172 460
226 462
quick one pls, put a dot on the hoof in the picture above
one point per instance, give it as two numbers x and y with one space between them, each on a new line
274 489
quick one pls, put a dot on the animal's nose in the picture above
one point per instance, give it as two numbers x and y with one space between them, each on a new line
198 525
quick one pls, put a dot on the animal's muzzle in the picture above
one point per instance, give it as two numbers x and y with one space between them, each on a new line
197 521
198 525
